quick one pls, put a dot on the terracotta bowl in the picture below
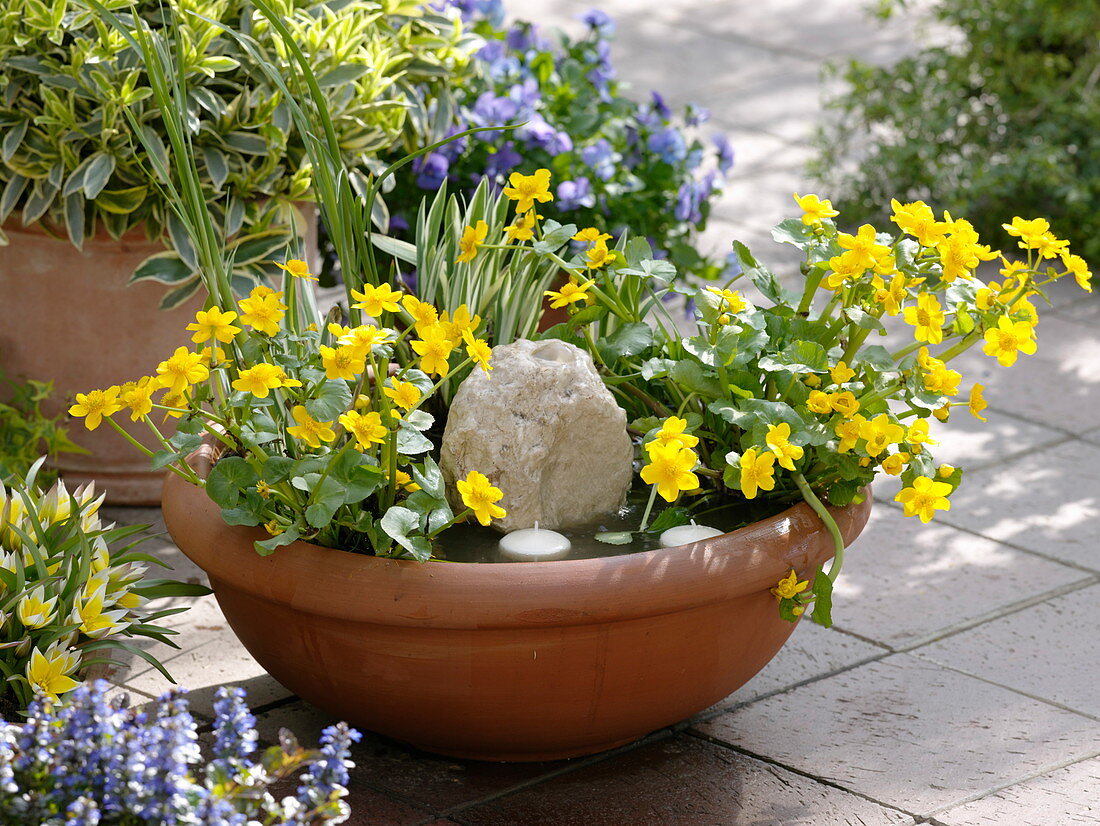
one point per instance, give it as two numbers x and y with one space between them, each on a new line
522 661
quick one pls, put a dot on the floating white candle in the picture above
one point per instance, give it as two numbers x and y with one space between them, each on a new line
686 534
534 544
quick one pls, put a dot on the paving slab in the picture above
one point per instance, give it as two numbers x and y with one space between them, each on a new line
1047 501
679 781
1064 797
691 66
210 656
404 772
1049 651
786 103
1058 386
909 733
905 582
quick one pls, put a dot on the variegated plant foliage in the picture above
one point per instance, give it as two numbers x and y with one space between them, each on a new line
69 159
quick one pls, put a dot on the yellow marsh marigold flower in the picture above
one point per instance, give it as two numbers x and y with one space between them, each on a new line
778 441
361 340
672 433
977 403
273 528
422 312
434 349
459 324
35 611
526 189
403 394
757 472
287 381
259 379
366 428
924 498
599 256
945 471
879 433
848 433
405 482
866 252
960 253
182 369
308 429
570 293
917 435
591 235
890 297
841 373
138 396
1035 234
845 404
1008 339
48 673
918 220
523 229
845 268
895 463
213 323
936 376
263 310
178 401
670 470
481 497
942 413
377 300
820 402
297 268
814 209
471 237
789 587
263 489
211 356
342 362
1076 264
478 350
731 299
96 404
927 317
1050 247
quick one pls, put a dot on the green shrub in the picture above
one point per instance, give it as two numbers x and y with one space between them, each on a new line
1005 119
26 432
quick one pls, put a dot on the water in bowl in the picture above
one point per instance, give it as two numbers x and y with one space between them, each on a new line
471 542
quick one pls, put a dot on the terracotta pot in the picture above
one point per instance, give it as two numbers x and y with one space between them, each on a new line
70 318
523 661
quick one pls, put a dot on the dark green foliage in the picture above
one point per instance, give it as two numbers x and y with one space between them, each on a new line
1002 120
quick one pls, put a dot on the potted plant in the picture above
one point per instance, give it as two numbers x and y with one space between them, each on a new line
71 167
70 592
331 500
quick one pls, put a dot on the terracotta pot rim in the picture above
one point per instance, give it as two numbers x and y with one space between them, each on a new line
305 576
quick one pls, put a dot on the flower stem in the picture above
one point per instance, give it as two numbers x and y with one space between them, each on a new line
827 518
648 508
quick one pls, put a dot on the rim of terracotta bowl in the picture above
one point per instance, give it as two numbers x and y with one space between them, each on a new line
314 579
